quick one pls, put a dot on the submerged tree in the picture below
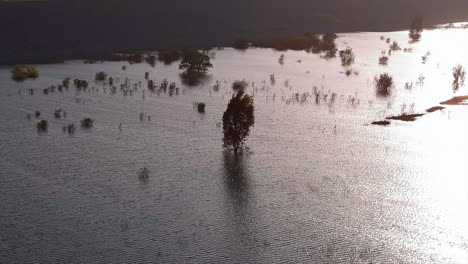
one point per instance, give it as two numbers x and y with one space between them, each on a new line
347 57
416 29
201 107
238 119
100 76
195 62
195 65
383 84
383 60
42 125
458 77
87 122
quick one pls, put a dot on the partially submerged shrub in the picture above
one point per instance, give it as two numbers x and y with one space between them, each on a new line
20 73
281 59
239 85
100 76
458 77
58 113
70 128
383 84
201 107
383 60
87 122
42 125
80 84
424 59
347 57
416 29
395 46
66 82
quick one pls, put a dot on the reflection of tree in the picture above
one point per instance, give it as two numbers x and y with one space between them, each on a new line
242 222
236 179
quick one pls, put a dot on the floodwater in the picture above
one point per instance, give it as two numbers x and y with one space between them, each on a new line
318 184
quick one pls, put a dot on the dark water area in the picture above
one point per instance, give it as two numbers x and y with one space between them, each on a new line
42 31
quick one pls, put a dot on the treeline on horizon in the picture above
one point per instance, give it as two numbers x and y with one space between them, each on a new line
73 29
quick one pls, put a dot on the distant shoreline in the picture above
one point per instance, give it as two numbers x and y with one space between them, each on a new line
50 31
83 56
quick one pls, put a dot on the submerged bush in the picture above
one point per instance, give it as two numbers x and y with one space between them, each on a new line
58 113
383 84
395 46
20 73
100 76
80 84
416 29
201 107
87 122
383 60
42 125
70 128
347 57
458 77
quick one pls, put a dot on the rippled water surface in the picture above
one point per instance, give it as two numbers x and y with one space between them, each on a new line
317 185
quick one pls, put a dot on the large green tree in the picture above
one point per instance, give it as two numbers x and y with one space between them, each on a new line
238 119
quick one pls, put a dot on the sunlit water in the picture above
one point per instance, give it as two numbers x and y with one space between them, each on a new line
317 185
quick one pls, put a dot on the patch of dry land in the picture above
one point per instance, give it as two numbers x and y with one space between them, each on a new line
457 100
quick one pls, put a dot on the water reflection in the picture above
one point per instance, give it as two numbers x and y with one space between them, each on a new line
243 222
236 179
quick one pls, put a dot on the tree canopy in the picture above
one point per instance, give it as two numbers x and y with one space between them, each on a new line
195 62
238 119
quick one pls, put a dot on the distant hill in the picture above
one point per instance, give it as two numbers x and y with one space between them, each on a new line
43 30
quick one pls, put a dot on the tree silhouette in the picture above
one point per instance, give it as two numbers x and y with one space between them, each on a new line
238 119
195 62
195 65
347 57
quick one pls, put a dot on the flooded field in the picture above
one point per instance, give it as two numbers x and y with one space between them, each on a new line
318 183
